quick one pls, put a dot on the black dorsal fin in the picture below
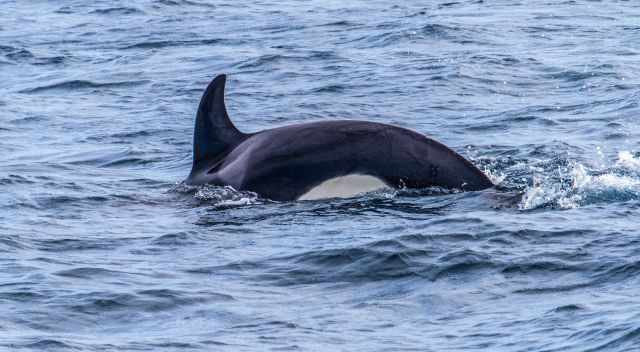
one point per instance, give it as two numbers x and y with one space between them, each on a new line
214 134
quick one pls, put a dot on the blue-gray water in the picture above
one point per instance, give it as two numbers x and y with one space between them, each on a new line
101 248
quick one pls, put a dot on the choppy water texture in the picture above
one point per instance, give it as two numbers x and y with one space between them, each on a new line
102 249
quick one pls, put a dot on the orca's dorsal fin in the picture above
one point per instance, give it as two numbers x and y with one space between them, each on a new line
214 134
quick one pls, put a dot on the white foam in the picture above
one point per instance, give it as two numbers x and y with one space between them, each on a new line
495 177
537 195
584 186
225 196
623 183
626 160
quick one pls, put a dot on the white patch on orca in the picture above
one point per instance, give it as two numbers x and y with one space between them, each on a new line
344 187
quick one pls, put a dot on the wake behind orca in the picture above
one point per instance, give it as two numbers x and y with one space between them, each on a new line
299 161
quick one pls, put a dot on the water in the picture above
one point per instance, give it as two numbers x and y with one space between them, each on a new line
102 248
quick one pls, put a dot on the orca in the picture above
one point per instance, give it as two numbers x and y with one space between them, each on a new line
320 159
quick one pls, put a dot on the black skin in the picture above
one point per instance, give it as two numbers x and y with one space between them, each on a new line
284 163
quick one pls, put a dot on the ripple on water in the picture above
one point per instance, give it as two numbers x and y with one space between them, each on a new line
117 11
75 85
103 251
73 244
151 300
50 344
159 44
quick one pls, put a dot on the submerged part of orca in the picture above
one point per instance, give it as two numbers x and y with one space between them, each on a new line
320 159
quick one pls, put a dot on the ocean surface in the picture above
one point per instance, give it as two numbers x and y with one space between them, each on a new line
102 248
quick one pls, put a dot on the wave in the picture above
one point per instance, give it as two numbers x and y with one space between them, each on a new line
148 300
20 55
72 244
330 88
89 273
9 243
16 55
340 23
117 11
423 257
452 258
184 3
174 239
176 43
82 84
268 59
109 158
49 344
15 179
576 185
